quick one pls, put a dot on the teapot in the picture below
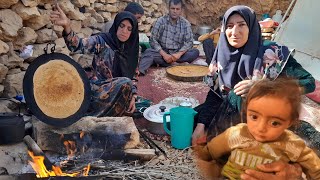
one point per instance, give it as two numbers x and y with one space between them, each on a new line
181 125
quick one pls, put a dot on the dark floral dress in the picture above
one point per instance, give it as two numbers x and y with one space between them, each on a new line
111 95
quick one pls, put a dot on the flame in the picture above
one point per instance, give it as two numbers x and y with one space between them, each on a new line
82 133
38 166
71 148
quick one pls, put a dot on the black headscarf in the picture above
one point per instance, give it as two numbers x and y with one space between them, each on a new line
238 63
126 53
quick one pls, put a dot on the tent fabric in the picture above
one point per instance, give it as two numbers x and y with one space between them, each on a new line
301 32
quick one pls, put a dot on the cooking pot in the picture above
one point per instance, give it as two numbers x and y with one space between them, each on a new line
56 89
204 29
154 116
12 128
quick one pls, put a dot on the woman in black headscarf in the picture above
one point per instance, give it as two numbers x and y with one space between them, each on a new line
242 57
114 63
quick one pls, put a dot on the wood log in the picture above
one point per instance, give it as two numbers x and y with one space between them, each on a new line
33 146
90 134
129 154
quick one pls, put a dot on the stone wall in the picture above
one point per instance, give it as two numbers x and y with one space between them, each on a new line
207 12
26 22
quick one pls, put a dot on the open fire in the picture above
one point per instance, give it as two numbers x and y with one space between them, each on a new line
40 168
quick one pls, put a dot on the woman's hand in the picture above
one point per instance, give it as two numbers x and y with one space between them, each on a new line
243 87
58 17
277 170
198 133
213 69
132 105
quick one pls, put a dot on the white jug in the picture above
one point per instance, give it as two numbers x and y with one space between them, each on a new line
277 17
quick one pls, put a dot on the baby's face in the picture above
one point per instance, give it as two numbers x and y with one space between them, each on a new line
268 117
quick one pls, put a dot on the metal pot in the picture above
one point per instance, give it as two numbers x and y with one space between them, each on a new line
204 29
154 117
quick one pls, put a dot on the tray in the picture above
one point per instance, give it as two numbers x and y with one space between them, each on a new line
188 73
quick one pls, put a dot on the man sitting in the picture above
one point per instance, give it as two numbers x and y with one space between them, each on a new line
171 40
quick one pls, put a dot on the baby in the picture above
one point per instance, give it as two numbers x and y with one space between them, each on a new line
270 108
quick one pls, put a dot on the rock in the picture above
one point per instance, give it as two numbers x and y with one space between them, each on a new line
96 15
63 50
66 6
111 1
14 158
96 31
14 61
37 50
76 26
106 15
14 71
145 27
205 12
154 7
11 22
150 20
71 11
111 8
24 66
3 171
11 60
7 3
26 12
157 14
60 43
146 3
58 30
89 22
156 1
38 22
4 59
76 15
3 72
30 3
48 6
143 18
4 48
122 129
13 84
82 3
99 7
46 35
99 26
86 32
26 35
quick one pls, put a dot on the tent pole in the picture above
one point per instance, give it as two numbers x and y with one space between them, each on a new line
282 20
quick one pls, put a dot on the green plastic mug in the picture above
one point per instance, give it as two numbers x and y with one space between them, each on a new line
181 125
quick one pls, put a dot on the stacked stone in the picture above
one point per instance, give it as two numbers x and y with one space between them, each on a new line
204 12
26 22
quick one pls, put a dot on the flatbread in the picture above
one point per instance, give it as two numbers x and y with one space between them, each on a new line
58 89
187 72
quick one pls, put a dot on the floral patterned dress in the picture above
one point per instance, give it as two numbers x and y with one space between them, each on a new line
110 95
